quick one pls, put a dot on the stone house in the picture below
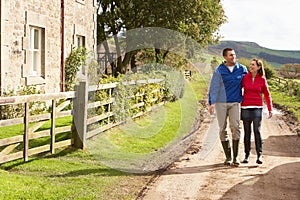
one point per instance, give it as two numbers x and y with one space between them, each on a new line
37 36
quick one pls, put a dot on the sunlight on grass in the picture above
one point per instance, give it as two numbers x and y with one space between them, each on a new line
176 121
65 177
78 174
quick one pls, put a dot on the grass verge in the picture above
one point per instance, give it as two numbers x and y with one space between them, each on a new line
76 174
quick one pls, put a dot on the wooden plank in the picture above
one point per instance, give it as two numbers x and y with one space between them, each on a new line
99 130
36 126
63 105
64 113
11 140
100 103
46 133
9 149
10 157
7 100
63 129
40 149
36 97
99 117
39 134
63 143
9 122
102 86
34 118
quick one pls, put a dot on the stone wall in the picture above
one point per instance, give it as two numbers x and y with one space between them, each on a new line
16 19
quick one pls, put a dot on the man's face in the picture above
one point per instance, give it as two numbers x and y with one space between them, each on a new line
230 58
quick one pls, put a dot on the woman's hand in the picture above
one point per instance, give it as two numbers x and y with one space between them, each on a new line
270 114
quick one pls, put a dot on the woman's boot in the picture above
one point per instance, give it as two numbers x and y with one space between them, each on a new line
259 161
247 144
258 143
246 160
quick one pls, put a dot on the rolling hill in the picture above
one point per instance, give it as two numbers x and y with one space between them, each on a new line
277 58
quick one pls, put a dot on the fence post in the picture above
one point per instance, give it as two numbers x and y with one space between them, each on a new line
52 131
79 128
26 130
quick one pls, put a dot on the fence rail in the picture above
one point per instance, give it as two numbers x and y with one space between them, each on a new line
18 146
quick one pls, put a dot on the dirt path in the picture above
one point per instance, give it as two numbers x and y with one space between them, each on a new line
200 174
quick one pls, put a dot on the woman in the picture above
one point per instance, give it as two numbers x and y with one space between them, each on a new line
254 84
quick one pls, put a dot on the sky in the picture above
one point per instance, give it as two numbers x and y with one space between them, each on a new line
274 24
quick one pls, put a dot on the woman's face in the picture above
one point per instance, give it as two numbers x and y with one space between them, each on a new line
253 66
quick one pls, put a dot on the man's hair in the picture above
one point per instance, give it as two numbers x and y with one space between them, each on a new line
226 50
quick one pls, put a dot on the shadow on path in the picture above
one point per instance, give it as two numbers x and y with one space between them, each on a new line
282 182
285 145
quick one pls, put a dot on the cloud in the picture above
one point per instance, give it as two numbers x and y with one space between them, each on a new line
272 24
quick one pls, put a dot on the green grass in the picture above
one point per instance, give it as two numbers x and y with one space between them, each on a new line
75 175
79 174
200 84
291 103
174 120
131 145
282 95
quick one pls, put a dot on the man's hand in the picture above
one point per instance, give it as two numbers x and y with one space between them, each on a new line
211 109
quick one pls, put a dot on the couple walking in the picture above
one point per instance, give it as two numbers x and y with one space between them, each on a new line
236 94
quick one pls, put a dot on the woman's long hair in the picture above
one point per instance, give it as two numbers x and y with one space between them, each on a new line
259 62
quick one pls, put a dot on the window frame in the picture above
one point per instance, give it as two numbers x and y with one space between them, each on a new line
79 41
36 51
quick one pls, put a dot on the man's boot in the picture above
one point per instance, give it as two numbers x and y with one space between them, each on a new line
235 145
227 151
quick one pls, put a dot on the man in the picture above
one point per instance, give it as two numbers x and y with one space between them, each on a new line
225 95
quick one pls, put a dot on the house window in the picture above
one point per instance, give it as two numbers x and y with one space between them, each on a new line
36 54
80 41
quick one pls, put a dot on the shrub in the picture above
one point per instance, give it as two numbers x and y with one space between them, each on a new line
17 110
73 63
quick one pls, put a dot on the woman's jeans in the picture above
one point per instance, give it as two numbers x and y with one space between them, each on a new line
249 116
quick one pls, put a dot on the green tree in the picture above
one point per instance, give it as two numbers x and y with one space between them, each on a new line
198 19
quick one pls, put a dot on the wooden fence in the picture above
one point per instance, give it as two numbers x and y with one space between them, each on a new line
16 147
31 125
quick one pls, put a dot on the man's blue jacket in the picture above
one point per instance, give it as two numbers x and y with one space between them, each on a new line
225 86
